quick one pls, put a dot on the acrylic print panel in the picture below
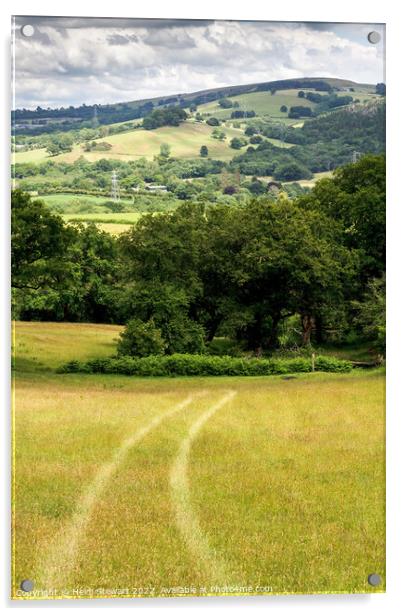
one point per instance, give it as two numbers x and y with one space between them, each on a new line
198 217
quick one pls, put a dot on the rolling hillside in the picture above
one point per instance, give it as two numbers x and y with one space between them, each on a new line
26 120
184 140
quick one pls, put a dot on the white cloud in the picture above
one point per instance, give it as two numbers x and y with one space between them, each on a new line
93 61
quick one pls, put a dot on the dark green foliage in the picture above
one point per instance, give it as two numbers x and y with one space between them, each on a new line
299 111
237 143
39 244
256 187
301 94
288 134
213 122
242 114
170 116
256 139
291 171
332 101
66 119
86 287
294 190
60 143
371 313
314 97
322 144
205 365
346 124
204 151
140 339
209 269
284 109
356 198
225 103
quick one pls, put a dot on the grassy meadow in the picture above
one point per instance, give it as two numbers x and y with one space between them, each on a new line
268 105
75 203
185 142
111 223
158 486
263 103
89 208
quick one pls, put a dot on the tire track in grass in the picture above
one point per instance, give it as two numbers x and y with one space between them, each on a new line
186 519
62 555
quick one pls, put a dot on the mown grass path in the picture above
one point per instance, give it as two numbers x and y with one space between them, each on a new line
62 555
143 486
186 518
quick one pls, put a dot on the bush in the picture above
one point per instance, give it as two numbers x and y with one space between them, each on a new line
182 335
204 365
140 339
291 171
237 143
299 111
213 122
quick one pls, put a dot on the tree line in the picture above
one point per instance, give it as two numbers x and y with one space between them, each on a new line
205 270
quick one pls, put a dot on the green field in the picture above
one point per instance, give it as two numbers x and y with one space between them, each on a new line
317 176
141 486
185 142
75 203
74 208
263 103
111 223
268 105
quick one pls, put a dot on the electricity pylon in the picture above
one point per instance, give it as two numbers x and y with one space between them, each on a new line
115 192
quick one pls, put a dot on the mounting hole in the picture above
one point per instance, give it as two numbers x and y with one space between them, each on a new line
27 585
27 30
374 37
374 579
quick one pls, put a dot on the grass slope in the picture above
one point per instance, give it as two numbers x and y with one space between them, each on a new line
268 105
70 203
263 103
281 481
185 142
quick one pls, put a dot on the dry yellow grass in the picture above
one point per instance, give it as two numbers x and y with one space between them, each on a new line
284 481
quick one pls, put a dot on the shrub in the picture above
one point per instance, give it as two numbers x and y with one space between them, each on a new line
182 335
140 339
299 111
291 171
204 365
237 143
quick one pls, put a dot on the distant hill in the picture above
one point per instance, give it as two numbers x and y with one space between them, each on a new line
66 118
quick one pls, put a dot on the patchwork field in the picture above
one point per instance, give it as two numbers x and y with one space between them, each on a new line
89 208
180 486
111 223
72 204
185 142
266 104
263 103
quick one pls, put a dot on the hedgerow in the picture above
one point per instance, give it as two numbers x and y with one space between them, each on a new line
203 365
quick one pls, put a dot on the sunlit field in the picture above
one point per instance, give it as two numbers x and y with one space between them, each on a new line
268 105
185 142
178 486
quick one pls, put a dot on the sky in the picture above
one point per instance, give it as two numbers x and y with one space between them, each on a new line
70 61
